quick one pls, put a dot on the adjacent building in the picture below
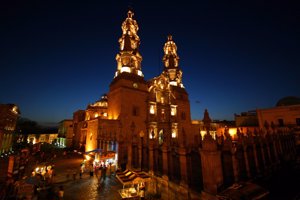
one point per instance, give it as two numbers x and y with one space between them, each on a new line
9 114
50 138
286 113
65 133
246 119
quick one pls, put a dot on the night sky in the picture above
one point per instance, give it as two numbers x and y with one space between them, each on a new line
58 56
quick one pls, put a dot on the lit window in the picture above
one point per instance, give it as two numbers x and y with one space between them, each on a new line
173 110
140 73
103 104
174 134
105 114
151 134
161 136
163 114
125 69
96 115
173 83
162 100
152 109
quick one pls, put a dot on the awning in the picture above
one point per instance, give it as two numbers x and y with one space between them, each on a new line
95 150
131 177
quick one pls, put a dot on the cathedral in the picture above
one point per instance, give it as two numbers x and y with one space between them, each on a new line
136 112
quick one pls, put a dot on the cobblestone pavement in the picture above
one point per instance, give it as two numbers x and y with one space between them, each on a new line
89 188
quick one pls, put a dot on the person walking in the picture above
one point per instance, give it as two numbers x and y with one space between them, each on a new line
81 170
61 192
91 170
142 194
104 172
74 174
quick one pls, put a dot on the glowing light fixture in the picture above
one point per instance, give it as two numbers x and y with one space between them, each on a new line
202 133
232 133
14 109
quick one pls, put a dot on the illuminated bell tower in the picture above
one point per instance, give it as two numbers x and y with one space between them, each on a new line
171 60
129 59
169 118
128 93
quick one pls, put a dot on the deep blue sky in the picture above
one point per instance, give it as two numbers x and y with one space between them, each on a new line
58 56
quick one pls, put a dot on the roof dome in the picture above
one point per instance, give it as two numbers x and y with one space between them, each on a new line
288 101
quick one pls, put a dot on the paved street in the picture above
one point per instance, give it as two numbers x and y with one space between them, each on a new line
85 188
89 188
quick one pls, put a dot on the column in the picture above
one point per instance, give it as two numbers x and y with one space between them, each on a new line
275 151
269 152
235 164
255 158
211 166
261 144
165 160
151 154
140 156
129 155
246 160
183 165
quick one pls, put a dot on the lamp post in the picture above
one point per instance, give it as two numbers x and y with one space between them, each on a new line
142 137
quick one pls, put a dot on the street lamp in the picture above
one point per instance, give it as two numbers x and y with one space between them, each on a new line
142 137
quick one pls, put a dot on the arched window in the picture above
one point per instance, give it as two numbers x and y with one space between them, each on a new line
161 136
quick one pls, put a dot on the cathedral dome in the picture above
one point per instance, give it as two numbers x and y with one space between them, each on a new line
288 101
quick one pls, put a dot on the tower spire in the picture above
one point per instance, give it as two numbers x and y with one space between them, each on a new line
171 63
129 59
